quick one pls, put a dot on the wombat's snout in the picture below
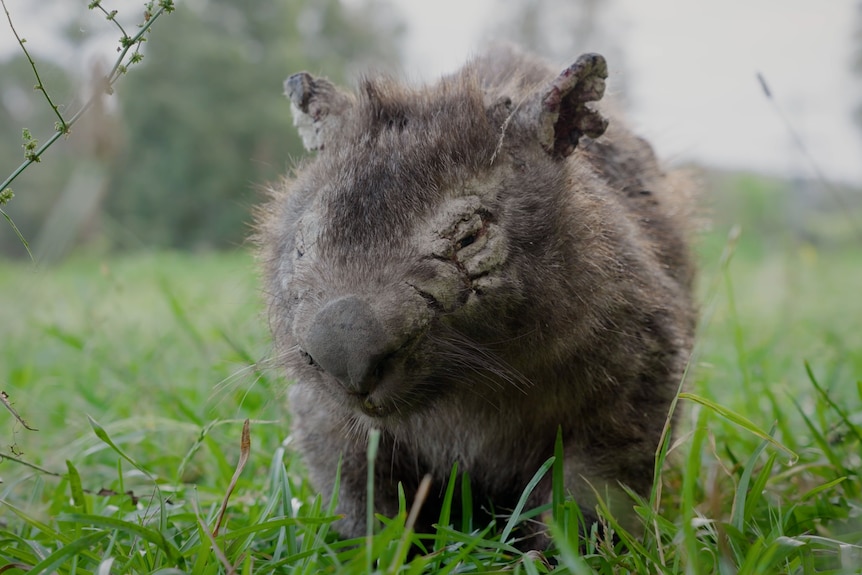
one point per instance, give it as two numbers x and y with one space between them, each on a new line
346 340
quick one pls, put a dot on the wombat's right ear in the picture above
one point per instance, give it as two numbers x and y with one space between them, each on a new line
317 106
563 113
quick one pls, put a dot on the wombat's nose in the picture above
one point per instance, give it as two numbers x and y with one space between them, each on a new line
346 340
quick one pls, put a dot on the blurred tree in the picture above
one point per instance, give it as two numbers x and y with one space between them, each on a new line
204 117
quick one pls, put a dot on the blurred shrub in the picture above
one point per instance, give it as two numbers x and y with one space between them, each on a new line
204 117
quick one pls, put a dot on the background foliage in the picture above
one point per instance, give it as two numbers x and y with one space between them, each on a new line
205 119
183 147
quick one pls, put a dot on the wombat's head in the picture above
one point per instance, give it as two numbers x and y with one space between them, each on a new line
404 260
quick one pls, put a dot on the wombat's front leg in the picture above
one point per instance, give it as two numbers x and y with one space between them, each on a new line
590 476
588 479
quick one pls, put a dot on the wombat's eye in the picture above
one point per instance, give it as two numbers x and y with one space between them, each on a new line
307 357
466 241
299 244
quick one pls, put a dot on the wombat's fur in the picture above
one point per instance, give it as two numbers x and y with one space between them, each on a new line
468 267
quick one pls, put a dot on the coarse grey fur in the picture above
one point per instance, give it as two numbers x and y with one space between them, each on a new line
467 267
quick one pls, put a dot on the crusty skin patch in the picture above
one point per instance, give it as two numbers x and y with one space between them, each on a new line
565 113
468 267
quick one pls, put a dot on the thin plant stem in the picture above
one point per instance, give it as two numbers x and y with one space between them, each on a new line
812 161
63 127
108 81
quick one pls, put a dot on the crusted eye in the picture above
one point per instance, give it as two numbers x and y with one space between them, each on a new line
461 229
467 240
469 231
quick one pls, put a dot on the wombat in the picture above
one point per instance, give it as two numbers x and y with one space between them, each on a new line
468 267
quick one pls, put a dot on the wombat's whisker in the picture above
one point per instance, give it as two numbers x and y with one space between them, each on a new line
353 428
235 380
468 354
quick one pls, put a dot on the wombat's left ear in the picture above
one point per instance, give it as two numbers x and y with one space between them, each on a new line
563 113
317 106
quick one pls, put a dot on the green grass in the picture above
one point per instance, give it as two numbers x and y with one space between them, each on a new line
138 372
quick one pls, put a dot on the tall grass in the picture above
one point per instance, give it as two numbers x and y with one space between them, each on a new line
139 371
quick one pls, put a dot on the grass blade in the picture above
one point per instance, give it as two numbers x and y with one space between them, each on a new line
18 233
841 413
516 513
371 455
558 484
466 504
756 492
820 488
742 422
693 465
738 515
446 507
154 536
53 561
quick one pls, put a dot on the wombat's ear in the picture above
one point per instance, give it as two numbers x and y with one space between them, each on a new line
564 115
317 106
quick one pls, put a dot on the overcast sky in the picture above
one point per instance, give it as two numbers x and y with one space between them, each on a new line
692 69
689 68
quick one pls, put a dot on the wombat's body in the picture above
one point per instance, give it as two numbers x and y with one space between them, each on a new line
469 267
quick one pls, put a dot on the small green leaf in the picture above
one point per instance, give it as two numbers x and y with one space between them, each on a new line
103 435
78 498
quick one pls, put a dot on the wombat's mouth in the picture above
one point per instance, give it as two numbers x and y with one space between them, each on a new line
370 407
393 394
